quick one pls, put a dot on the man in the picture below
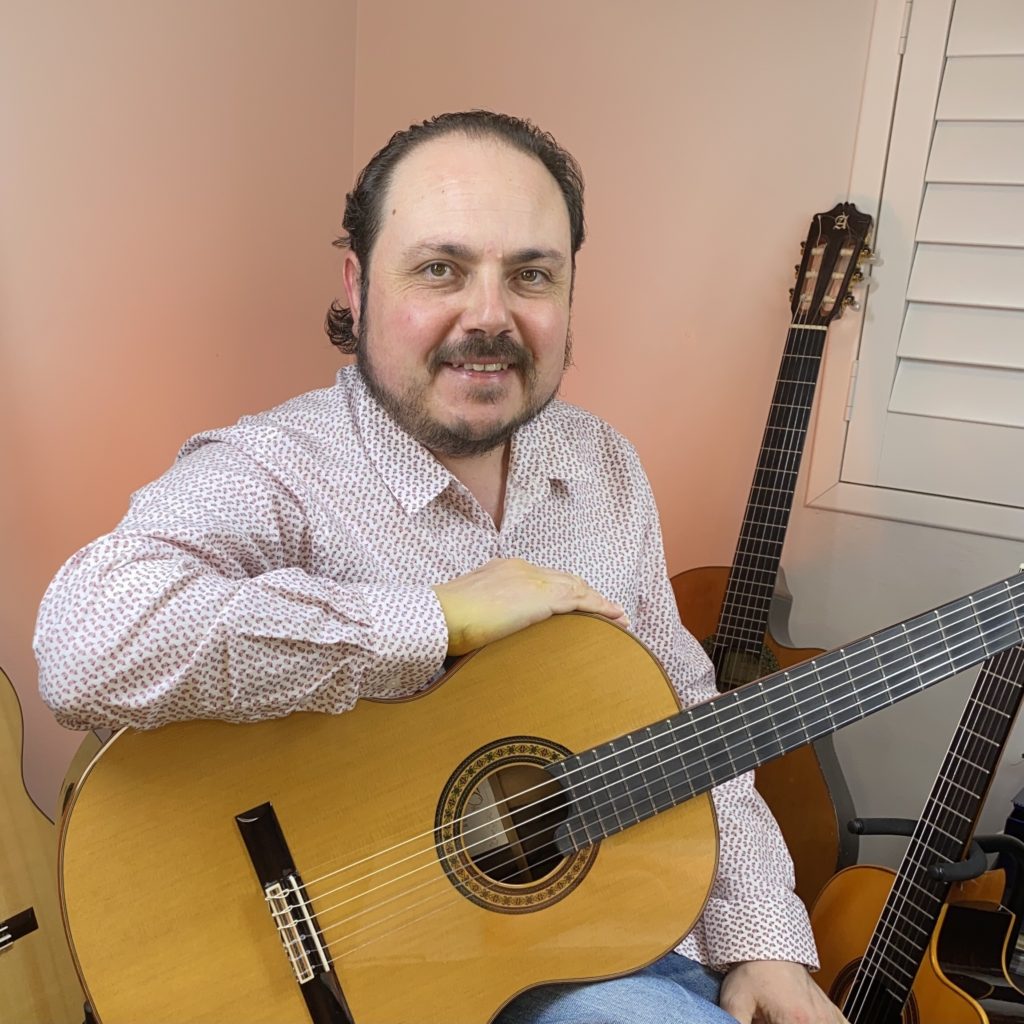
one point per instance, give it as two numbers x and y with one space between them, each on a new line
436 499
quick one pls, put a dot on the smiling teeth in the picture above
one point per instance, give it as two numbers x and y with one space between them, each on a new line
485 367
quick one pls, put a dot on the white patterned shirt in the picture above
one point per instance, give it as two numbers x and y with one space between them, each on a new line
286 564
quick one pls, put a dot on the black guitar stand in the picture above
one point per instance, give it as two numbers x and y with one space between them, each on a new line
974 866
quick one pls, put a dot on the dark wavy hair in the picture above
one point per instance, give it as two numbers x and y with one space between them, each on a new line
362 219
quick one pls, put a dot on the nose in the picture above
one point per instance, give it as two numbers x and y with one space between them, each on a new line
486 304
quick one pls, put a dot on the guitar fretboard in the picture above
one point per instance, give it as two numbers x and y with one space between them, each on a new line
886 973
744 616
634 777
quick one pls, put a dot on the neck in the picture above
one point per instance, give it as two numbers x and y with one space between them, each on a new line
484 476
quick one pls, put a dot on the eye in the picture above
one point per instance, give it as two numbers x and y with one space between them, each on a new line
531 275
438 270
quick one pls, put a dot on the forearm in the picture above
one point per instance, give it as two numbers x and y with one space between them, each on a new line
752 912
137 631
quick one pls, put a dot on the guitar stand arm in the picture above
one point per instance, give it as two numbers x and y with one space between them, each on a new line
974 866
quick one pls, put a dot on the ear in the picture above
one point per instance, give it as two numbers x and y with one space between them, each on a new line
352 275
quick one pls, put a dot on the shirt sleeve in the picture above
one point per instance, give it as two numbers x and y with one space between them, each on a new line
188 610
752 912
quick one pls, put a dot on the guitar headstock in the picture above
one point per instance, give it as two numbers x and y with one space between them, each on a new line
836 246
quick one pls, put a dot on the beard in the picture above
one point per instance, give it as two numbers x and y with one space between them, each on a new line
460 438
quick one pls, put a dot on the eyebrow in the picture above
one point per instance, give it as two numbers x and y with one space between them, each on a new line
457 251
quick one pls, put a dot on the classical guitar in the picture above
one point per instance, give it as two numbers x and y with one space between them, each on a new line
541 813
729 607
884 975
37 977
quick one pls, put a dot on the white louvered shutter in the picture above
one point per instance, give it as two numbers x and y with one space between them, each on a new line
939 403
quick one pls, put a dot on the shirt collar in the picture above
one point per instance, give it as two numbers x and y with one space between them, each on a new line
415 477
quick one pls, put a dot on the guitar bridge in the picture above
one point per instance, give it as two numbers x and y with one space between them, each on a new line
292 914
298 935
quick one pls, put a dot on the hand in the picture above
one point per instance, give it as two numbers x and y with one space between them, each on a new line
508 594
776 992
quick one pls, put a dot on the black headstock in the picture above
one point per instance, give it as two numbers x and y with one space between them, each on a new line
837 243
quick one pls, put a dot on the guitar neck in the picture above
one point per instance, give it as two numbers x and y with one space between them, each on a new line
634 777
755 566
886 973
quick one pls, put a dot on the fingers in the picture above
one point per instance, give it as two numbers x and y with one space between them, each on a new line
508 594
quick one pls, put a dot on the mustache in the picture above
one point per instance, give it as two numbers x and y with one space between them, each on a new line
482 348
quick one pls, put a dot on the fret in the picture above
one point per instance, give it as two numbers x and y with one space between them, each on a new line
924 891
763 541
770 508
922 930
899 981
967 760
748 569
953 782
954 811
769 742
659 784
1005 679
609 801
774 472
635 774
584 782
978 736
953 837
742 629
725 745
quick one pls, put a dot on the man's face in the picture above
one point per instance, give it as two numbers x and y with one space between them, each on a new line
464 332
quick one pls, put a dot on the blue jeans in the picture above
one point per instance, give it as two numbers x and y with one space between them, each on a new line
673 990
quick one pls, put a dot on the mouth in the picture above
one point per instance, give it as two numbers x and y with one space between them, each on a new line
480 367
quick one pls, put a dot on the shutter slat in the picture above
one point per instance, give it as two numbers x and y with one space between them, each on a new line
982 89
974 394
986 27
973 214
964 334
987 153
968 275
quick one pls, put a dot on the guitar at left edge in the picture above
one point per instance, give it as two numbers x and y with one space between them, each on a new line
37 976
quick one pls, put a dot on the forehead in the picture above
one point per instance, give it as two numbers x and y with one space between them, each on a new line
482 190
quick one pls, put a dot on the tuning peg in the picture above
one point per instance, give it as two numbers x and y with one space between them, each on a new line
857 276
791 292
796 270
803 245
867 255
850 302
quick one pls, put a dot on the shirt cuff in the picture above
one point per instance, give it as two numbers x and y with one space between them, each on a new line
744 921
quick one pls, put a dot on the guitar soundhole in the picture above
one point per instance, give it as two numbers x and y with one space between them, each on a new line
839 990
734 666
509 826
497 819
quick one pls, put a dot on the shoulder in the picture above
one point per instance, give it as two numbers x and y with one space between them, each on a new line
296 435
592 444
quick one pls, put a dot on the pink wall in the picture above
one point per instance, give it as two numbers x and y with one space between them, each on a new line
180 169
176 176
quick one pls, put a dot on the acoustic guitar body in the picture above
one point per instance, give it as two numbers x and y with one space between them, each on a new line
844 919
168 919
805 788
37 977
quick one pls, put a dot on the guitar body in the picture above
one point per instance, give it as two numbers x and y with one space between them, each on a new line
974 949
844 918
805 788
37 977
167 918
